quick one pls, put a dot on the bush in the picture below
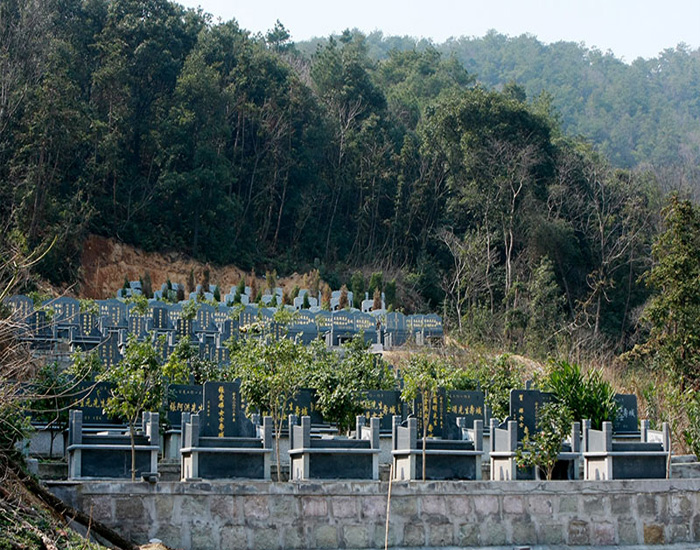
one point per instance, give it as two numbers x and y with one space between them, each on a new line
587 395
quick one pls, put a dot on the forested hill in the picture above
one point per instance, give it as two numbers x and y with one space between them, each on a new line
146 122
645 111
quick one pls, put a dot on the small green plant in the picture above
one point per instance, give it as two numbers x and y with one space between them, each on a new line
189 310
542 449
139 304
89 306
587 395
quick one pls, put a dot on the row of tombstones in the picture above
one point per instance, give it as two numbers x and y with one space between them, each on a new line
447 406
115 321
213 422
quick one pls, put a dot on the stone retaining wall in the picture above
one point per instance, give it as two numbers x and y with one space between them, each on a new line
268 515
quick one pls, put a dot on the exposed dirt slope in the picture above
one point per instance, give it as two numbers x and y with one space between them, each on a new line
106 262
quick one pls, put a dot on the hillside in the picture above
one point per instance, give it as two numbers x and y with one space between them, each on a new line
105 263
176 135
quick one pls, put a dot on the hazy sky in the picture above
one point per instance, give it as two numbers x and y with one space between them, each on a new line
630 28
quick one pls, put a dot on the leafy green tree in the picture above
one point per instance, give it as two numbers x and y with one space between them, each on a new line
673 342
138 386
271 371
184 365
339 382
424 376
542 449
357 285
545 309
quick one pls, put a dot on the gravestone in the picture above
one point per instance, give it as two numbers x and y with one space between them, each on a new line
113 314
382 404
438 409
367 324
182 398
249 315
462 404
304 404
204 322
524 405
87 334
625 421
21 306
91 398
222 411
160 319
138 326
396 329
184 328
39 328
108 350
432 326
66 311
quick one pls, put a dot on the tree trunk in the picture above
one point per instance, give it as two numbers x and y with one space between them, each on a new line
132 435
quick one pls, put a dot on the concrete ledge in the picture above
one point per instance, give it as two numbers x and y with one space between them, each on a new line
448 514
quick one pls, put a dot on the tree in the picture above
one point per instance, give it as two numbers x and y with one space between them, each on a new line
673 311
339 382
271 370
587 396
343 300
357 285
542 449
424 376
138 386
545 309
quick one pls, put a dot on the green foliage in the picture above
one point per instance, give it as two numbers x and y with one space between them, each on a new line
138 386
587 396
545 310
139 304
541 450
497 380
271 372
390 293
89 306
85 366
357 285
338 382
673 311
240 289
376 281
189 310
185 366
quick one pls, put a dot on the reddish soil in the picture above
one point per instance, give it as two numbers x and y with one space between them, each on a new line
105 263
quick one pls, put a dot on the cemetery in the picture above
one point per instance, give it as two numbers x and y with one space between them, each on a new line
225 495
59 327
210 471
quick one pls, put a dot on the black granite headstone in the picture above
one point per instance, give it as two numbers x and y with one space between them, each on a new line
462 404
524 405
626 418
436 414
382 404
108 350
304 404
91 398
182 398
222 411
